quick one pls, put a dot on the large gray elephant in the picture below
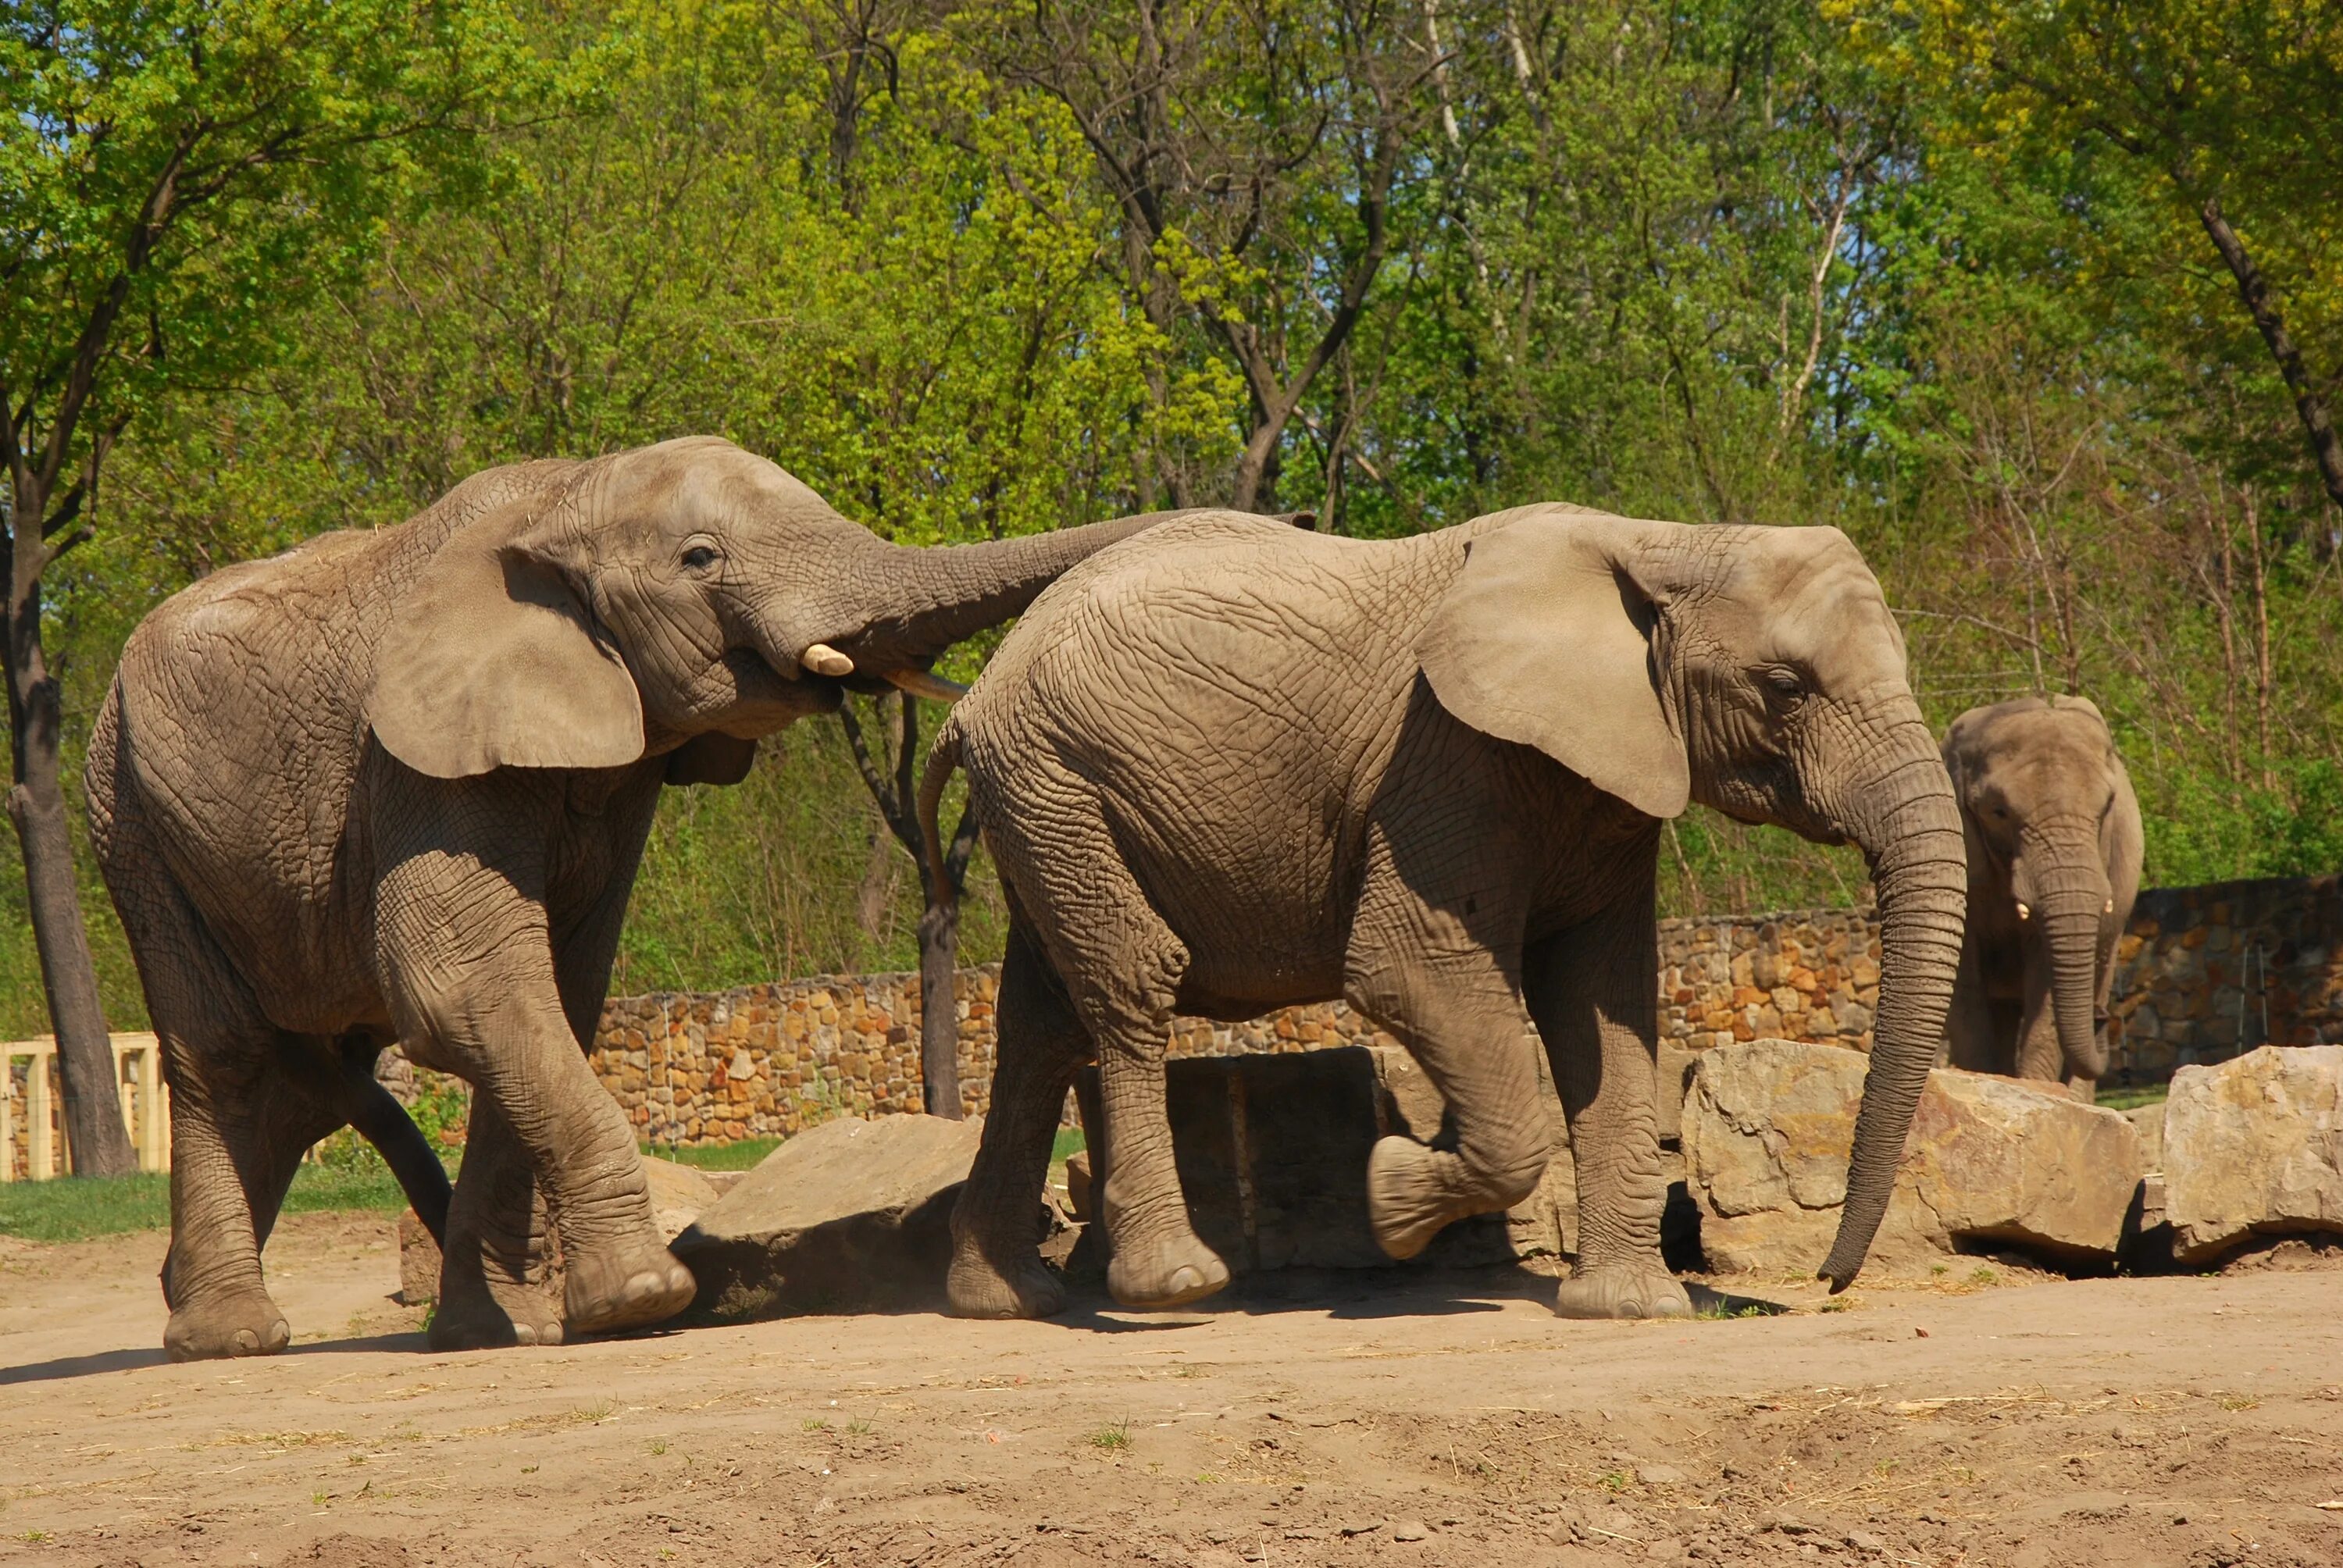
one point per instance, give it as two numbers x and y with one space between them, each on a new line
1226 767
2055 845
394 786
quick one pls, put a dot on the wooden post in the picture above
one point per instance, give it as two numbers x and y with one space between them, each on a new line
153 1126
8 1115
40 1158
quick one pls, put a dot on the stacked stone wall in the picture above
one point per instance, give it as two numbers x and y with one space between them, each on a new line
2202 973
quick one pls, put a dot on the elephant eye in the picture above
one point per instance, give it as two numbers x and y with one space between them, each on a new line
1784 682
699 557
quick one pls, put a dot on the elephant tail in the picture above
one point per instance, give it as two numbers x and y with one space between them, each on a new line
942 758
384 1123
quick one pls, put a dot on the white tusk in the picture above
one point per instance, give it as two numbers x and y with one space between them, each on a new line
2023 912
928 684
824 659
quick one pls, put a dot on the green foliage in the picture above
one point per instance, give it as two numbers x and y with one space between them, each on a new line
1932 273
81 1208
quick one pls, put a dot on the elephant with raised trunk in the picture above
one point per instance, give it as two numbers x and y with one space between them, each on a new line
394 786
1226 768
2055 846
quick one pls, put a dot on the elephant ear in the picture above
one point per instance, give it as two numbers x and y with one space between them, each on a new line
1545 639
492 661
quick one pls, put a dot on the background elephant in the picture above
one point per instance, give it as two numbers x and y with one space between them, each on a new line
2054 844
1227 766
394 786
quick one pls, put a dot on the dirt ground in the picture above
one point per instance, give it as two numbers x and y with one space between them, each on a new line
1332 1419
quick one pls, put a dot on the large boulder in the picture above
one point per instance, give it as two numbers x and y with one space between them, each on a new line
849 1216
1769 1123
2253 1146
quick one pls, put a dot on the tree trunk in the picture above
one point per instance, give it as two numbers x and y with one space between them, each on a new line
2255 291
36 805
938 1009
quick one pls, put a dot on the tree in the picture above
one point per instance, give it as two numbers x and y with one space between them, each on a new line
176 179
1257 158
2234 106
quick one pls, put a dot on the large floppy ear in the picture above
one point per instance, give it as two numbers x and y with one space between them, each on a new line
1545 639
491 661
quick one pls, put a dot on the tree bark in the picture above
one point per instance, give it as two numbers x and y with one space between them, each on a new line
36 805
2254 289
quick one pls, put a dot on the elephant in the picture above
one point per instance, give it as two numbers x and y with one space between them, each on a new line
1225 767
394 786
2054 841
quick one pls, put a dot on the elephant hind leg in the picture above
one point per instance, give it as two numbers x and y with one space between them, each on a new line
495 1283
1122 967
239 1125
996 1270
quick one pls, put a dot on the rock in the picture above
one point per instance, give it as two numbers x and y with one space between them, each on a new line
679 1194
2253 1146
2147 1120
1079 1186
849 1216
1659 1475
1273 1158
1675 1064
1409 1530
419 1261
1769 1123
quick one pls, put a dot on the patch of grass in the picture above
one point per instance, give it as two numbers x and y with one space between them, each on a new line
1720 1311
1615 1482
75 1209
1068 1143
1112 1439
857 1428
2239 1402
815 1423
2133 1099
657 1445
745 1155
1984 1277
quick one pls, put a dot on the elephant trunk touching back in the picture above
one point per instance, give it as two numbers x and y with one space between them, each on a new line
2069 885
1907 822
927 599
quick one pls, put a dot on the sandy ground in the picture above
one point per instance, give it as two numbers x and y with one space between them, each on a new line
1337 1420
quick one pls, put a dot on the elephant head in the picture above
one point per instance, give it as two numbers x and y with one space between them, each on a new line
1758 671
682 599
2040 787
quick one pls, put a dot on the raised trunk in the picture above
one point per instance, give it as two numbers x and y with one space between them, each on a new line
100 1145
938 1009
907 605
1920 868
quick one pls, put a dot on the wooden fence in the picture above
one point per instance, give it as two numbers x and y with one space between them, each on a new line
32 1108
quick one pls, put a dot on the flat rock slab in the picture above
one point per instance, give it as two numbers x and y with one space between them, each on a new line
2253 1146
1769 1124
679 1194
849 1216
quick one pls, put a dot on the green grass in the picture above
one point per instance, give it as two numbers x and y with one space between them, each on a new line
2132 1098
744 1155
72 1210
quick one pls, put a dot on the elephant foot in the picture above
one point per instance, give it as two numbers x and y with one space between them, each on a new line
487 1326
248 1323
1027 1289
1409 1201
625 1289
1169 1272
1622 1292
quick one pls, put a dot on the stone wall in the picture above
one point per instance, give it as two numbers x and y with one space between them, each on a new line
764 1062
2209 972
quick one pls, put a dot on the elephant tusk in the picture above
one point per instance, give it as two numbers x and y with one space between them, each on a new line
824 659
928 684
2023 912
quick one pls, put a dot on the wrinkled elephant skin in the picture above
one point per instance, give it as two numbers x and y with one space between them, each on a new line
2054 843
1229 766
394 786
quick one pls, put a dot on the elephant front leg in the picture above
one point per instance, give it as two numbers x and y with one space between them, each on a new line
494 1284
1593 990
468 967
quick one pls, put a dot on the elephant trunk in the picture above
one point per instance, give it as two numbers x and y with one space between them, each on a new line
915 603
2070 895
1910 829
